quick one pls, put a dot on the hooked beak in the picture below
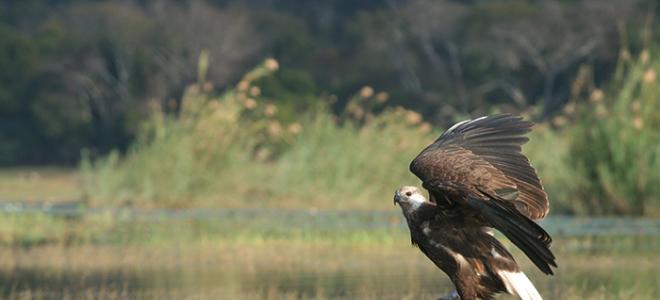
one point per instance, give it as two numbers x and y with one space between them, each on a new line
396 198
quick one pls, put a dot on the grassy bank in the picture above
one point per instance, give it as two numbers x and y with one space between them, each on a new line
34 229
123 228
114 257
232 150
39 184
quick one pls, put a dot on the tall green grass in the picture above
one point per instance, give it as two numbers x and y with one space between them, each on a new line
549 151
233 149
615 142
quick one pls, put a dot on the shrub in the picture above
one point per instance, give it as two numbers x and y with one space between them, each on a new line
615 141
233 150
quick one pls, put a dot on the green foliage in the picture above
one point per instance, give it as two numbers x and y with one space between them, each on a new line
237 150
232 150
548 152
615 142
17 64
96 64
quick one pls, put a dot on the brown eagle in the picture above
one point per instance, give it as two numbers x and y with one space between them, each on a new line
477 179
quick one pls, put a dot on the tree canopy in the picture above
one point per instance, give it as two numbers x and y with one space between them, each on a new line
82 73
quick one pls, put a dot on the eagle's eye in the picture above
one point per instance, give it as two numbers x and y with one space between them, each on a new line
408 194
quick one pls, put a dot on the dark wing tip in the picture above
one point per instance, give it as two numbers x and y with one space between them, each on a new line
530 237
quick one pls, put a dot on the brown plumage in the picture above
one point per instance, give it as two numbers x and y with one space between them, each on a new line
478 178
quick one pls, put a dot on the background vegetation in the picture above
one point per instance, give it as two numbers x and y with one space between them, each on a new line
250 149
81 74
234 150
154 99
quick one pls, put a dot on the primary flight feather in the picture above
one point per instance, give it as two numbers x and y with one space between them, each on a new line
478 179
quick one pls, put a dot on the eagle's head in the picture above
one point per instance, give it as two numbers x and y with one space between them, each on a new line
409 198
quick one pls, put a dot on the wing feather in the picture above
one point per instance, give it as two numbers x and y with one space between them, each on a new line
485 153
523 232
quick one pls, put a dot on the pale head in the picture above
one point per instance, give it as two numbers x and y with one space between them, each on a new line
409 197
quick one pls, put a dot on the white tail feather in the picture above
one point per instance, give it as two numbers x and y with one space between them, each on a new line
518 283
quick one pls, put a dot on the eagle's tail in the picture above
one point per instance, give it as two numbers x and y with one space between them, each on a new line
523 232
517 283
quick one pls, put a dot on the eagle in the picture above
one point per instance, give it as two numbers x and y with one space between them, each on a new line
478 180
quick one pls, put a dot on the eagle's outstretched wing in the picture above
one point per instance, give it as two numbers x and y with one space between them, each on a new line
485 153
477 166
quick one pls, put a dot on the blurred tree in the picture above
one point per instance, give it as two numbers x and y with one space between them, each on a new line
18 62
549 41
81 73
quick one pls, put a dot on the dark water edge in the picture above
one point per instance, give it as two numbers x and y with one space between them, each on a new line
327 219
599 258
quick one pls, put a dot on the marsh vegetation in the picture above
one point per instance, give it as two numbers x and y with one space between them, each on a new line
292 255
233 149
179 174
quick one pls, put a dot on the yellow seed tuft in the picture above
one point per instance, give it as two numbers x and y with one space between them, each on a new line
274 128
645 56
425 128
569 108
559 121
294 128
366 92
271 64
638 123
596 95
193 89
382 97
356 111
649 76
624 55
243 85
270 110
207 87
413 118
263 154
250 103
255 91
